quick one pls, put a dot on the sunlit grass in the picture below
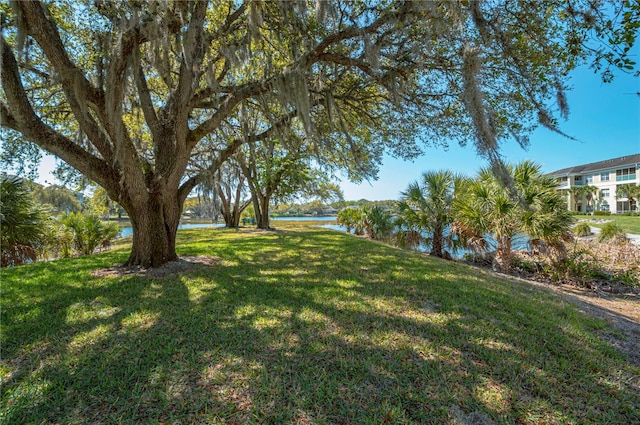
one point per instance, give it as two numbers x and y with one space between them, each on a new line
629 224
300 325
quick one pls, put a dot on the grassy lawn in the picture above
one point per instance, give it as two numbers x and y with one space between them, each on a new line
302 325
629 224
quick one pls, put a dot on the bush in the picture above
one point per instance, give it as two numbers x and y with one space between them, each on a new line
89 232
22 223
60 240
602 213
611 232
378 223
350 218
582 229
528 266
630 214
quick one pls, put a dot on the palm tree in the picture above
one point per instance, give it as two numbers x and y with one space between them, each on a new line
377 222
487 209
532 206
22 223
426 209
577 192
544 216
630 191
589 192
349 217
89 233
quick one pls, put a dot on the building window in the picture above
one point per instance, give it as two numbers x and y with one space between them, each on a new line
577 180
604 207
623 206
604 177
626 174
589 179
605 193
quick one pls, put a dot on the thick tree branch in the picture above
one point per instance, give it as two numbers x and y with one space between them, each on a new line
79 92
227 106
172 152
19 115
6 119
146 104
232 148
44 30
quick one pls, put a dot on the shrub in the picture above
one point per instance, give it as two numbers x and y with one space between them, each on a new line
350 218
602 213
22 223
89 232
377 222
582 229
611 231
528 266
60 243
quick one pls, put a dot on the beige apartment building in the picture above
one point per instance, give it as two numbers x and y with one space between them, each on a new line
606 176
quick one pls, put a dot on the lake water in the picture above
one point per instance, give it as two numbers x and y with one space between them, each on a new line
128 230
519 242
305 218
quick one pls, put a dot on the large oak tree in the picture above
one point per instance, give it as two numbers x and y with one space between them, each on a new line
126 92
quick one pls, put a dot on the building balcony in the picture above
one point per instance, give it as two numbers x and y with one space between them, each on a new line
626 177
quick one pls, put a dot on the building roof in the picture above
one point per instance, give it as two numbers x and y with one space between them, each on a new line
629 160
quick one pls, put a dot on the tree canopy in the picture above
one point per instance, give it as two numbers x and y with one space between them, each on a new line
131 93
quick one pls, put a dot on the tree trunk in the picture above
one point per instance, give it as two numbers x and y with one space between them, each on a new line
261 207
155 224
231 209
231 221
232 218
225 202
437 242
558 254
502 259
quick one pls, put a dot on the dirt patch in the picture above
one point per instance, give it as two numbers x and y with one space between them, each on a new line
182 264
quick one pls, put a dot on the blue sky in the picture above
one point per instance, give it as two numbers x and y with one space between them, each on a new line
604 118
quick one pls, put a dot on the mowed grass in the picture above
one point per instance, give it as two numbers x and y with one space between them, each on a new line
629 224
302 325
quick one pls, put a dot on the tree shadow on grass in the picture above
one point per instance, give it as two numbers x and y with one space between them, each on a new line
311 327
